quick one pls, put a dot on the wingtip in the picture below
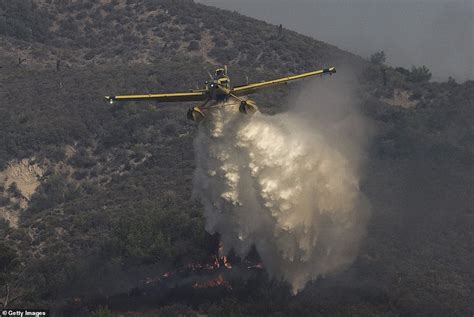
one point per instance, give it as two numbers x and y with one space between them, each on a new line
330 70
110 99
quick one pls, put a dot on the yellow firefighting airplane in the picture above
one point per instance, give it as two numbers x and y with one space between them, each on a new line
218 90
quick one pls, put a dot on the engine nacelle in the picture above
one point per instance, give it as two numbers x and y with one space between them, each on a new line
248 106
195 114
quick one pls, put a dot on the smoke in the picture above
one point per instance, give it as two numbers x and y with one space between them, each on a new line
287 183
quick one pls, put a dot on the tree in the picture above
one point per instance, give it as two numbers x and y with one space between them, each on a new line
419 74
378 58
403 71
9 272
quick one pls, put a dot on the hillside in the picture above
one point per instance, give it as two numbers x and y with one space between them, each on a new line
130 32
95 198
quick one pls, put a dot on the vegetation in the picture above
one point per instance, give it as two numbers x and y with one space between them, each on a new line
378 58
23 20
419 74
116 196
9 271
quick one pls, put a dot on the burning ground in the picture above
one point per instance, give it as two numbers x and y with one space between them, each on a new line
194 284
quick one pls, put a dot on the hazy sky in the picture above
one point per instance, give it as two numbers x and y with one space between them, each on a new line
436 33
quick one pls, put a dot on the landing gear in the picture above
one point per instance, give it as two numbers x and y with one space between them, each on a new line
248 106
245 106
195 114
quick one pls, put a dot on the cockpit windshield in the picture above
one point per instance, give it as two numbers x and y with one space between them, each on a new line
220 73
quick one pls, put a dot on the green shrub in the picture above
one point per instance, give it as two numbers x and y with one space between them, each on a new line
419 74
378 58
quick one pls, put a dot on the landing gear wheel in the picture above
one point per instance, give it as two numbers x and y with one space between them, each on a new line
243 107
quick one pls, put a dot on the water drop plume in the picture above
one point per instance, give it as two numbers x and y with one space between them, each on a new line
287 183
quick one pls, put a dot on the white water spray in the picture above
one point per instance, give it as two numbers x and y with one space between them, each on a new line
287 184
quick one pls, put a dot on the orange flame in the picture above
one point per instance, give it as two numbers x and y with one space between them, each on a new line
219 281
218 262
226 262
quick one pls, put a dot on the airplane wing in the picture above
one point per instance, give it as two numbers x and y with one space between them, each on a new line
251 88
171 97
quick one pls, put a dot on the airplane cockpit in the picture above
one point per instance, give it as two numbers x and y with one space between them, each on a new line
220 72
221 79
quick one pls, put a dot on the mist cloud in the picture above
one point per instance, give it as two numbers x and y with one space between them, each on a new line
288 183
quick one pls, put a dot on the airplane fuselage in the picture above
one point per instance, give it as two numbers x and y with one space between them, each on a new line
219 88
